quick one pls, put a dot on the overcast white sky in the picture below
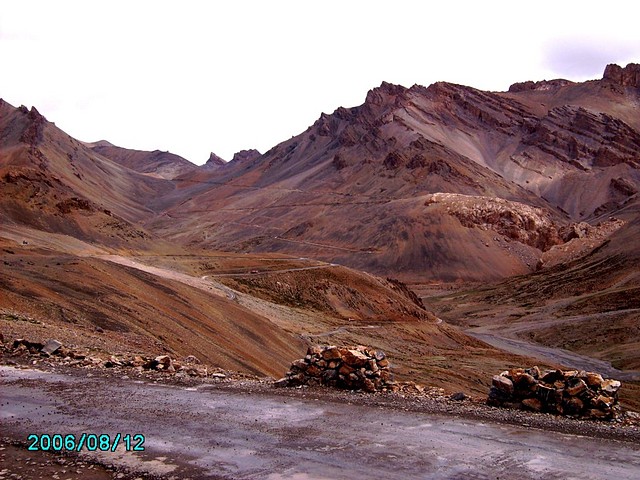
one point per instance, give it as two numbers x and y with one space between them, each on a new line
193 77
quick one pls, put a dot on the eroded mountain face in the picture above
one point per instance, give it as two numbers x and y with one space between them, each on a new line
360 186
357 186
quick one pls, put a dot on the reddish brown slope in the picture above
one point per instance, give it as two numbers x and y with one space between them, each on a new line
106 308
97 304
590 305
52 182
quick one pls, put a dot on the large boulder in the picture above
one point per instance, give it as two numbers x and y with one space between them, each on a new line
354 358
503 384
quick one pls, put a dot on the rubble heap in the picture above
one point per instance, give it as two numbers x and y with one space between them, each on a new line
571 393
352 368
56 351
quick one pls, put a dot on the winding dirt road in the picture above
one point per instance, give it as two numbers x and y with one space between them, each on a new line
252 273
210 432
552 355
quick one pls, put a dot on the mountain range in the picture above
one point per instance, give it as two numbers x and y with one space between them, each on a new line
534 189
445 182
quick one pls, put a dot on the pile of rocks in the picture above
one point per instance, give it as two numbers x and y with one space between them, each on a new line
352 368
571 393
164 363
53 350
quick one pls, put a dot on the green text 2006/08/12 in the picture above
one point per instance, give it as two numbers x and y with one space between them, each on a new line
89 442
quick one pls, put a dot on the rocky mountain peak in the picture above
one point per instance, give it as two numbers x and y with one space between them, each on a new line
380 95
246 155
628 76
214 160
34 132
34 114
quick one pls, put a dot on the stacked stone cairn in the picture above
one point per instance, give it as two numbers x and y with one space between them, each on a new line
351 368
572 393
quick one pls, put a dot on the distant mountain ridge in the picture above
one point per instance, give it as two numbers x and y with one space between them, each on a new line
55 183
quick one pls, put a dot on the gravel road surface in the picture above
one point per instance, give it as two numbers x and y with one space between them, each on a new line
210 432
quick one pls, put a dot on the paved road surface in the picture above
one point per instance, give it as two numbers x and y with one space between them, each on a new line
211 433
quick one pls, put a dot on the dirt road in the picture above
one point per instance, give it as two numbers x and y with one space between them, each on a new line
210 432
552 355
271 272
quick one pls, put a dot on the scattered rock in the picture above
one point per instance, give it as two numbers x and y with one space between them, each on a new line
354 358
611 386
138 361
503 384
51 347
532 404
113 362
22 346
59 354
281 383
163 362
192 359
330 353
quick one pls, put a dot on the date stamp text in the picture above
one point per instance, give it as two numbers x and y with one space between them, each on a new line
89 442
